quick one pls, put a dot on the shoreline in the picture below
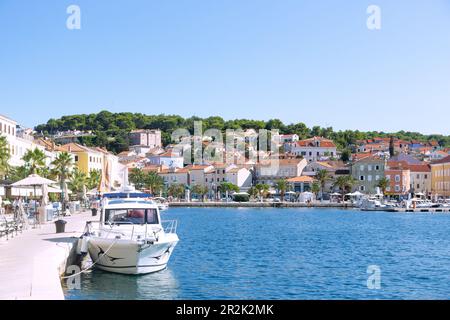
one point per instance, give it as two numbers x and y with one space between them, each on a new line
316 205
211 204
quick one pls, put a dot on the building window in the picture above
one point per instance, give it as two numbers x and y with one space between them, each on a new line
361 168
377 177
369 167
369 178
377 168
361 178
397 178
397 188
76 158
362 188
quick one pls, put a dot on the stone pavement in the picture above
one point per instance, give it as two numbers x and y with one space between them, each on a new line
31 263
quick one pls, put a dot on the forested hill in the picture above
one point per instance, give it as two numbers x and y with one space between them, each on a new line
111 129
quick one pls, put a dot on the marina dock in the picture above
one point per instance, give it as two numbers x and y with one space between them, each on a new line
32 262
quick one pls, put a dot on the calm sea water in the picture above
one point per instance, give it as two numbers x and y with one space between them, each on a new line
291 254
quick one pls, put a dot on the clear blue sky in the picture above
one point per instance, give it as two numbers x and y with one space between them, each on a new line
301 61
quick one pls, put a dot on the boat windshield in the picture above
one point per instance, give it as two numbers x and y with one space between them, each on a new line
131 216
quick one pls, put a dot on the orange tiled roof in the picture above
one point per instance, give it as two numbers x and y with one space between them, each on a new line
419 167
301 179
324 143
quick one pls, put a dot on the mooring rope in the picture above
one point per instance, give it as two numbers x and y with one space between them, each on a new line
92 265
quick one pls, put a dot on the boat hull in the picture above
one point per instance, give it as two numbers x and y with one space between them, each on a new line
131 257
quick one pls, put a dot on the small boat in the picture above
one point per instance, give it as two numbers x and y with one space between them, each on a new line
162 203
372 204
130 237
423 204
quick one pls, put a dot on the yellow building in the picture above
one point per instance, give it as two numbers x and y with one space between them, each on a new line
113 173
86 159
440 177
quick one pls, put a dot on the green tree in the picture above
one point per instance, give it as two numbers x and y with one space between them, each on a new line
282 186
200 190
18 173
315 188
34 160
322 177
62 167
138 178
78 182
93 180
253 192
176 190
4 156
383 184
344 183
227 187
153 182
263 190
345 155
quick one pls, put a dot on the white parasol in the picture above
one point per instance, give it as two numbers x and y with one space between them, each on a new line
33 180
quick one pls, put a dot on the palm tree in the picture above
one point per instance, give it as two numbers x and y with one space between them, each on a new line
344 183
176 190
137 177
322 177
227 187
4 156
18 173
282 186
263 190
315 188
77 182
153 182
94 178
200 190
253 192
62 167
34 160
383 184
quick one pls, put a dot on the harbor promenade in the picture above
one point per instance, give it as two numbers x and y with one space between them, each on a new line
32 262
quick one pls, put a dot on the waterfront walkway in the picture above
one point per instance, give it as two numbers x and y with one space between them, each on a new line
31 263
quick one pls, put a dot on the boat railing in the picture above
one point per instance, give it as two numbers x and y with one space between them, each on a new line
170 226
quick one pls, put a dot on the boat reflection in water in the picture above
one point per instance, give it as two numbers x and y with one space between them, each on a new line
153 286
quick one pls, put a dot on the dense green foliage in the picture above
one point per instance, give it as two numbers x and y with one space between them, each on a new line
4 156
241 197
111 129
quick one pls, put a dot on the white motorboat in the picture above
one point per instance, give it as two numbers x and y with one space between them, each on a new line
162 203
130 237
372 204
422 203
